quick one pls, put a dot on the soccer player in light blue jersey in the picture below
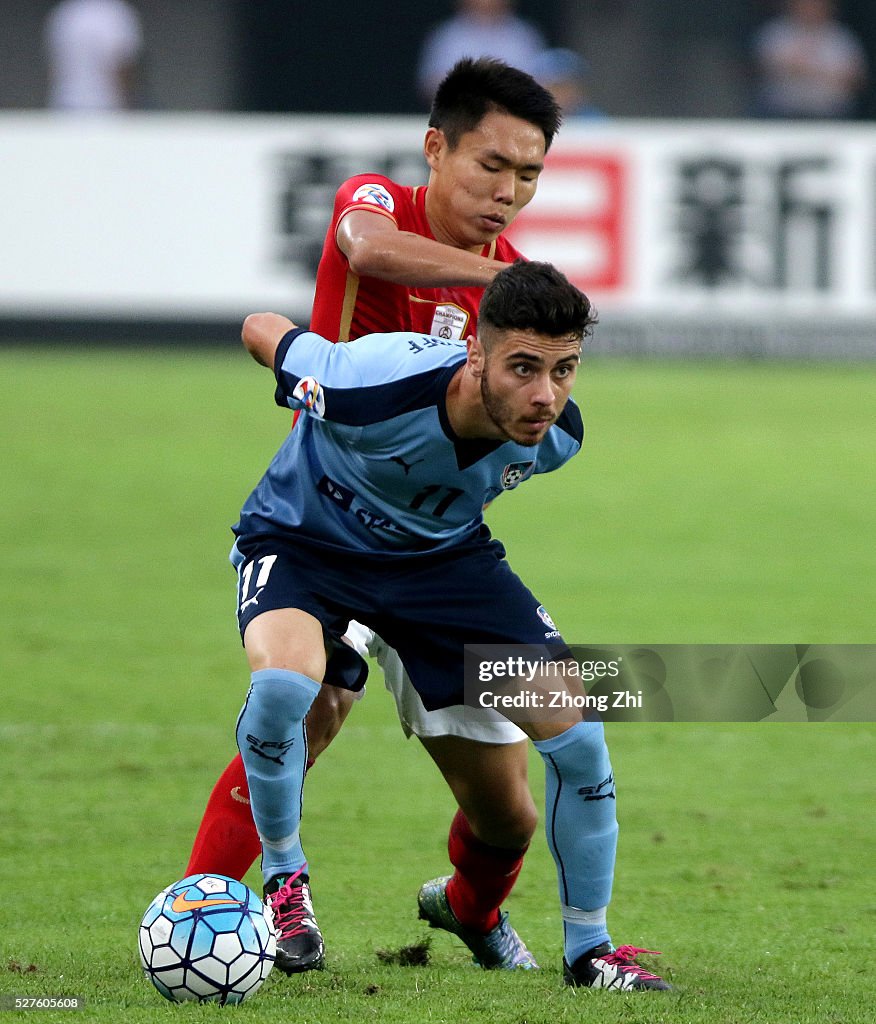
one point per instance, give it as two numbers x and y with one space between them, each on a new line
372 510
417 259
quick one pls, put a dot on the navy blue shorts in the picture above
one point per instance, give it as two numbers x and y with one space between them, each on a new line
426 606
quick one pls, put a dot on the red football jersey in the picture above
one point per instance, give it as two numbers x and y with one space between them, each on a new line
346 307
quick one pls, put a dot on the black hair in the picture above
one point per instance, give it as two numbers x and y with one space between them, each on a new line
473 88
536 297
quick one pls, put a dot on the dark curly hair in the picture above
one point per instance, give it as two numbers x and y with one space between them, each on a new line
536 297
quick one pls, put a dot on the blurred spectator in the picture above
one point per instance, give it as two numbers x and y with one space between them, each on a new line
809 65
566 75
481 28
92 50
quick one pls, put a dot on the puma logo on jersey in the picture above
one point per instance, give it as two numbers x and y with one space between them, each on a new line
252 600
406 466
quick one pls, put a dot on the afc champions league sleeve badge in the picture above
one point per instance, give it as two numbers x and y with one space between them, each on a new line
375 194
311 395
515 473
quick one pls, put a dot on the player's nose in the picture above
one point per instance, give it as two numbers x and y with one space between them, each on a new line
542 393
505 189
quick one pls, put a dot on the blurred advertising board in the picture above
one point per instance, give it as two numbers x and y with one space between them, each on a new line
690 236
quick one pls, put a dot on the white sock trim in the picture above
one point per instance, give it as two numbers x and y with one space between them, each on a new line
281 845
574 915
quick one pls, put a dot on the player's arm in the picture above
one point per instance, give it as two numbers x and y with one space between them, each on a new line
376 247
262 334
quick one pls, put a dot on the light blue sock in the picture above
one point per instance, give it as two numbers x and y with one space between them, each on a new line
273 745
581 826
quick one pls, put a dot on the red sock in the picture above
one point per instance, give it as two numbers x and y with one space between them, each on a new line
227 842
483 878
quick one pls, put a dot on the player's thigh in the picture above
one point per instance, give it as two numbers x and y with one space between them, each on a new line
286 638
490 783
282 618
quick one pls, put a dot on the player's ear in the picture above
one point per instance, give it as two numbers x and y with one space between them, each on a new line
433 146
475 352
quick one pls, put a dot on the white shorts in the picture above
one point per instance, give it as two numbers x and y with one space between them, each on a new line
483 725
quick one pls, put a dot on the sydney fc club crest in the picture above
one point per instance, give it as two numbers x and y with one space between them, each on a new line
375 194
310 394
545 618
515 473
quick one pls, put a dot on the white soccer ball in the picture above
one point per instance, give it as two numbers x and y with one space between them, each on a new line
207 938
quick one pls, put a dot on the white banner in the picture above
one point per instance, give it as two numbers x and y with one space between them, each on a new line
692 236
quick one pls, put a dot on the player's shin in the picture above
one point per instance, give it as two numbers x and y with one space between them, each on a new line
272 742
484 876
227 842
581 826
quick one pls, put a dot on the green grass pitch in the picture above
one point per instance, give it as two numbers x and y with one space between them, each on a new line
714 502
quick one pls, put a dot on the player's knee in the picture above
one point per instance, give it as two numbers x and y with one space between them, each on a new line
590 740
276 700
312 666
509 823
268 649
287 639
520 829
510 835
525 821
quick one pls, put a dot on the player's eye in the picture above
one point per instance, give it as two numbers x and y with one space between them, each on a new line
490 168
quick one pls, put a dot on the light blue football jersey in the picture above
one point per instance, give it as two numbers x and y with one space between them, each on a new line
373 465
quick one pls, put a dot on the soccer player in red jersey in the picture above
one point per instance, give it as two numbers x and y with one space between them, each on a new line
398 258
